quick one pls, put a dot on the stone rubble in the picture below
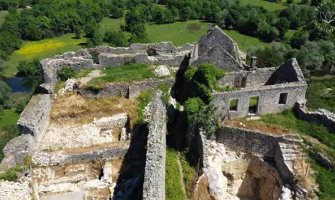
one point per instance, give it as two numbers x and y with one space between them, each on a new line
14 191
162 71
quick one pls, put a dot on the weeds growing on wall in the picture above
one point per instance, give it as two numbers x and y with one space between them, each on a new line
199 84
143 100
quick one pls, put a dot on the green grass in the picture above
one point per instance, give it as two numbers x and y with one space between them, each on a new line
173 187
42 49
124 73
3 14
179 32
189 173
244 41
270 6
143 100
321 93
9 117
109 24
326 181
325 178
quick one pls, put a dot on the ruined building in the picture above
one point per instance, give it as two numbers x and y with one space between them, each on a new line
80 158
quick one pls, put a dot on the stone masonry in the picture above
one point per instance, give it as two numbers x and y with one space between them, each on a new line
154 175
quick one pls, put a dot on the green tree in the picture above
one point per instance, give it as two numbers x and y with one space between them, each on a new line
4 92
116 39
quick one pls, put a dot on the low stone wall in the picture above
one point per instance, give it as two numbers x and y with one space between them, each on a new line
35 117
320 116
128 90
154 175
60 158
248 141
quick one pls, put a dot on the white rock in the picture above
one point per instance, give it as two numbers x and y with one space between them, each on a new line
162 71
68 86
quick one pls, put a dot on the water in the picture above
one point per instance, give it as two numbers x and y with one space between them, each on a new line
19 84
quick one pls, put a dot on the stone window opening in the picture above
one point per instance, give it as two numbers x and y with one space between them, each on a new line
283 98
233 105
253 104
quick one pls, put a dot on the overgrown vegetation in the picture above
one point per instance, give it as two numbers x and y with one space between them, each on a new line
65 73
143 100
189 174
12 174
124 73
196 85
325 177
173 190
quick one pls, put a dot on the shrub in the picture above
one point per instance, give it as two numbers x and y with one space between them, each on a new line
65 73
33 68
12 174
116 39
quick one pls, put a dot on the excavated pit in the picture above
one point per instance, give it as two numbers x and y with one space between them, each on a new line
82 153
233 175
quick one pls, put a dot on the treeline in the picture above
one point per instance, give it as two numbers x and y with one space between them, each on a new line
50 18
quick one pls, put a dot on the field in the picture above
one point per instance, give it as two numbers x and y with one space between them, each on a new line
321 93
244 41
7 120
3 15
42 49
270 6
9 117
179 32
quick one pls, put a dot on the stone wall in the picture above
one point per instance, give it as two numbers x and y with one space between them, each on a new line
154 175
248 141
167 54
268 99
128 90
57 158
35 117
218 48
320 116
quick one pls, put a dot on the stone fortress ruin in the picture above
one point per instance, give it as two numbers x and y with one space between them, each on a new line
88 147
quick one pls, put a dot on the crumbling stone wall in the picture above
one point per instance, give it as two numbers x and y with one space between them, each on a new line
57 158
219 49
154 175
248 141
268 99
167 54
127 90
35 117
321 116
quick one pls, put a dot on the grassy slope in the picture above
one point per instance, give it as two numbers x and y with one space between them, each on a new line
42 49
244 41
3 15
325 178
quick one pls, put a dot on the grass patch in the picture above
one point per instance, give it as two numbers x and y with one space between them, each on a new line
321 93
9 117
270 6
125 73
3 14
244 41
12 174
143 100
42 49
82 72
173 187
326 180
189 173
288 120
179 32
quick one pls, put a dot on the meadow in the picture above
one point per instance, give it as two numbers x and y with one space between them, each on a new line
270 6
42 49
